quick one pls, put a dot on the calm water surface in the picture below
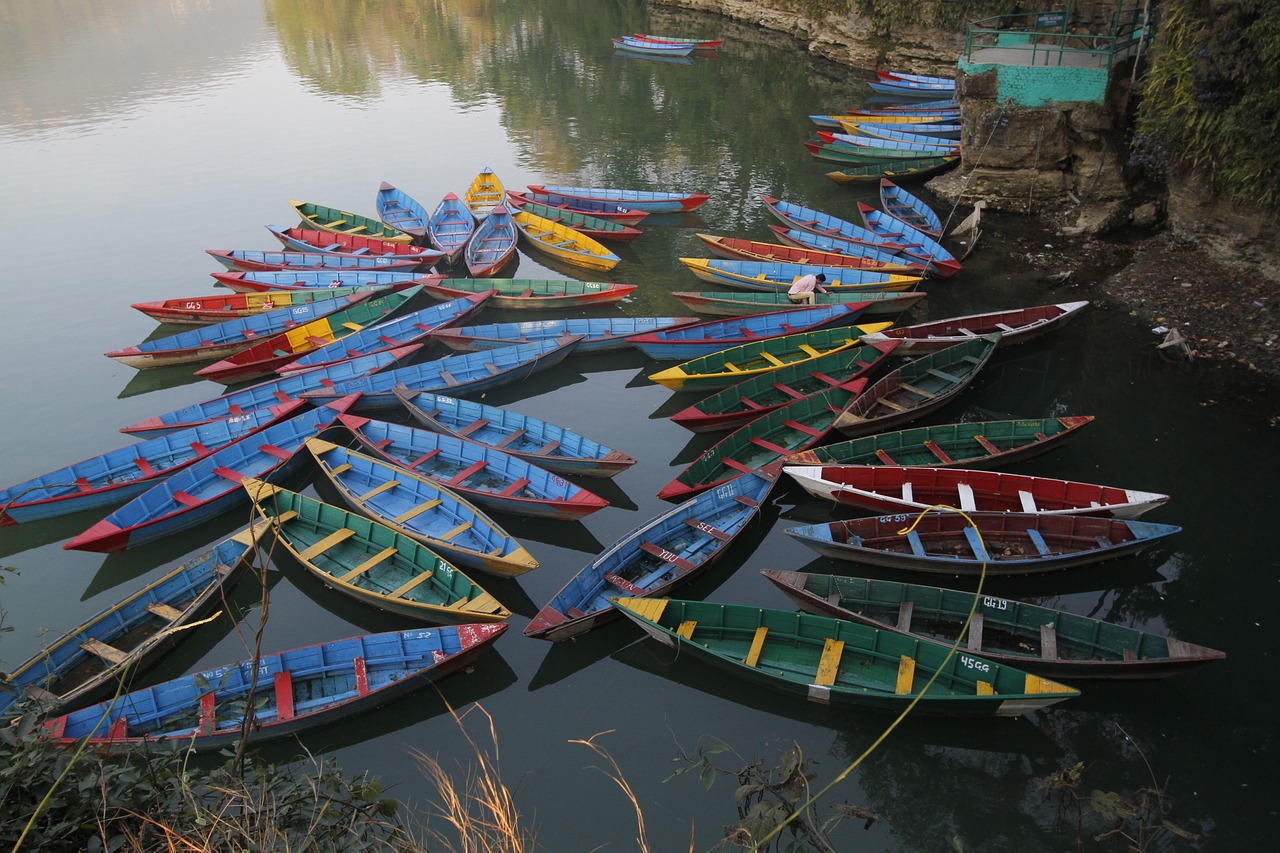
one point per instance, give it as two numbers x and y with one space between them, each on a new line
136 134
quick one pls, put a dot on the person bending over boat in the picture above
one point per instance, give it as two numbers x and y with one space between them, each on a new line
801 292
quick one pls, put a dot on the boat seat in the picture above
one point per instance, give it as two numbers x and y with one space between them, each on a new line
986 445
478 423
278 452
928 395
965 492
548 448
208 713
890 404
83 485
361 250
905 611
809 351
732 368
332 247
713 532
378 489
1103 542
757 644
623 584
686 629
942 374
804 428
1005 328
1048 642
145 467
455 532
164 611
512 437
335 223
885 457
340 535
362 676
423 458
822 377
284 695
772 359
829 663
416 511
1041 437
368 564
907 494
186 499
516 486
975 543
748 403
526 292
229 474
1028 501
906 675
938 451
447 377
473 468
984 688
575 613
493 369
666 556
110 654
1037 540
968 334
917 547
788 390
971 359
768 445
411 584
975 632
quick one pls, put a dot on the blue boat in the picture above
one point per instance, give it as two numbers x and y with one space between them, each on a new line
208 487
653 202
295 690
247 282
699 339
910 89
914 242
270 392
544 444
401 332
664 553
938 131
493 244
469 373
654 48
599 334
450 226
926 79
930 147
399 210
307 240
794 215
216 342
814 240
125 472
251 260
596 207
486 476
120 642
422 509
904 206
776 275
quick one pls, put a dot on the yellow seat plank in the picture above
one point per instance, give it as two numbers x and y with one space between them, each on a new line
829 664
410 584
379 489
108 653
773 359
164 611
461 528
985 689
686 629
483 603
367 565
417 511
906 675
340 535
757 644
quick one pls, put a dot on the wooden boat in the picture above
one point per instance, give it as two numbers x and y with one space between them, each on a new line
493 244
701 44
903 131
653 202
917 388
739 303
220 307
734 248
837 662
295 690
121 642
997 543
266 354
126 472
797 216
729 367
863 155
739 404
419 508
910 88
301 280
414 328
468 373
904 206
595 227
1047 641
488 477
977 444
654 47
599 334
771 276
564 243
896 489
1014 327
906 116
914 242
941 82
544 444
484 193
324 218
666 552
450 226
762 443
896 106
531 294
399 210
221 340
936 146
856 248
308 240
370 562
698 339
209 486
597 208
897 170
267 393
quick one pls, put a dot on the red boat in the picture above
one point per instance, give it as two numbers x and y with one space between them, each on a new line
754 250
601 209
308 240
260 282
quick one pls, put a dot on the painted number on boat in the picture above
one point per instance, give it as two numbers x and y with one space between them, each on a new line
995 603
974 664
446 400
193 305
557 481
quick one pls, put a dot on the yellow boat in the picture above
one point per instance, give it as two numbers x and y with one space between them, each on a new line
485 193
564 243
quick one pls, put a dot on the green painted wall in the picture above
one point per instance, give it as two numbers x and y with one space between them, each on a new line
1038 86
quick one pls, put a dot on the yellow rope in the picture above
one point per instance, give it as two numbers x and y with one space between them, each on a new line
973 608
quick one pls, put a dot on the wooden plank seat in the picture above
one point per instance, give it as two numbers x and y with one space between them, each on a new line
904 615
473 468
937 451
455 532
687 628
283 684
986 445
493 369
509 438
278 452
548 448
447 377
772 359
514 487
713 532
623 584
769 445
478 423
1028 501
757 645
339 469
667 556
430 454
788 390
411 584
965 492
748 403
340 535
890 404
804 428
110 654
975 632
417 510
942 374
379 489
1048 642
164 611
145 467
730 462
186 499
1037 540
368 564
809 351
829 663
885 457
1004 327
229 474
928 395
906 675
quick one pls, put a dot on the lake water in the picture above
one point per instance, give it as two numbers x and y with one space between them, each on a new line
136 134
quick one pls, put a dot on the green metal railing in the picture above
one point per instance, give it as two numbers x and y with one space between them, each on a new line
1048 38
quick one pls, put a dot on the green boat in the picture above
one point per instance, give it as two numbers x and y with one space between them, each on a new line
894 169
736 364
880 303
1043 640
763 443
739 404
858 155
344 222
838 662
531 293
980 444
